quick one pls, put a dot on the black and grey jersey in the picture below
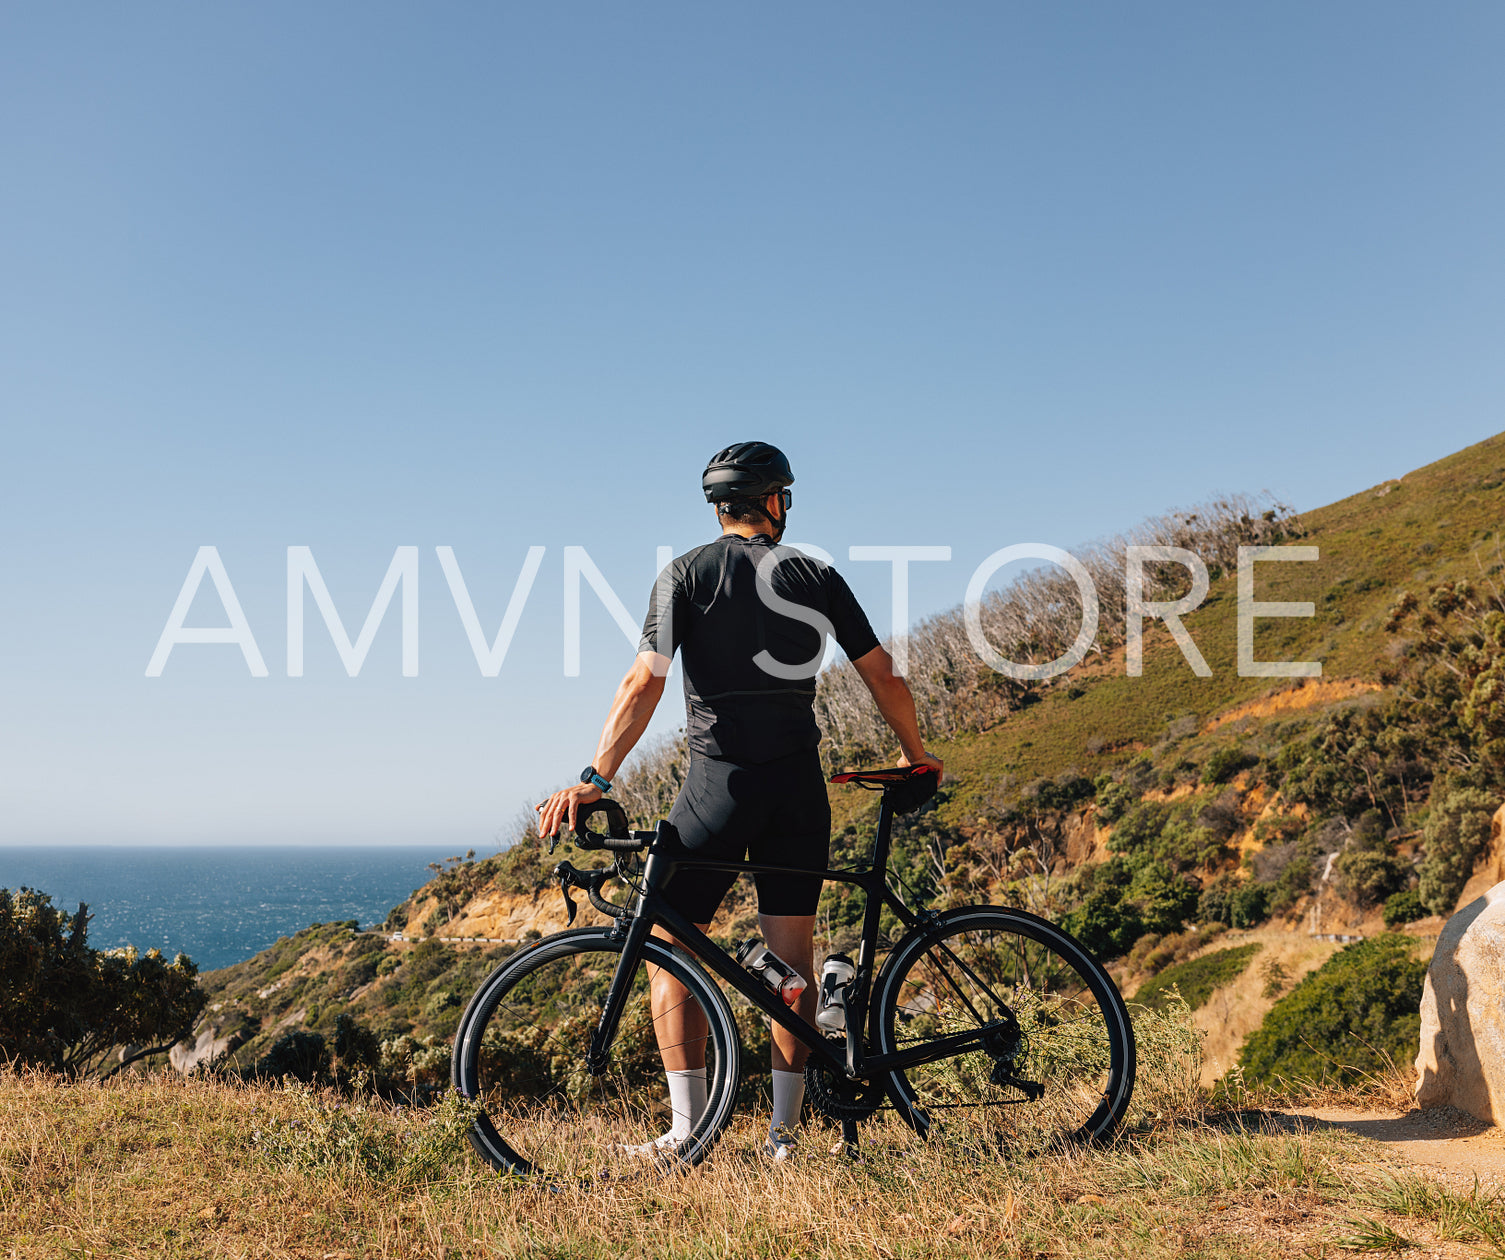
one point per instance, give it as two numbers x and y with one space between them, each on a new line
750 619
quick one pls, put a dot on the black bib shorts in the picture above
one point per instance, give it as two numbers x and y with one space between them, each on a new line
775 813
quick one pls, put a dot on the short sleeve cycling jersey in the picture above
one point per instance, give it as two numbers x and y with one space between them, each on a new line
750 619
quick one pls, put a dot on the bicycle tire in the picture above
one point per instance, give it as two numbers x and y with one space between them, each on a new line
520 1051
1075 1041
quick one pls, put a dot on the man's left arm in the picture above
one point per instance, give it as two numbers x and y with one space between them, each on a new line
896 703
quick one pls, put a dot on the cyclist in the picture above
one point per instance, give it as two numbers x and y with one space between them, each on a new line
750 619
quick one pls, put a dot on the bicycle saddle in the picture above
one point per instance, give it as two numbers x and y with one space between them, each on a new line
906 787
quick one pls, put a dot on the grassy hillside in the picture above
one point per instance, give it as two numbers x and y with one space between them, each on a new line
1147 813
1436 523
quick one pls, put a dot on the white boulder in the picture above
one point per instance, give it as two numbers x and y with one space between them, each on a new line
1462 1058
209 1045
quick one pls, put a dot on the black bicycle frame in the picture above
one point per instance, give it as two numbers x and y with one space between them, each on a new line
651 910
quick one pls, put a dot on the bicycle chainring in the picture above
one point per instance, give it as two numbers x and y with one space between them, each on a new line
837 1098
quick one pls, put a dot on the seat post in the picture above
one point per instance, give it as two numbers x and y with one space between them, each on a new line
885 829
857 1006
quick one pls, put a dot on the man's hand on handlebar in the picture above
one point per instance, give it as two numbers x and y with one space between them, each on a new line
563 806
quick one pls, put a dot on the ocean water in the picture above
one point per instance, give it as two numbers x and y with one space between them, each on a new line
219 906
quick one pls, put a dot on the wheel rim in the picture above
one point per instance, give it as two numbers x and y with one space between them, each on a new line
521 1053
1072 1042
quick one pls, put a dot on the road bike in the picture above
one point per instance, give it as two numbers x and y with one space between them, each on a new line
981 1023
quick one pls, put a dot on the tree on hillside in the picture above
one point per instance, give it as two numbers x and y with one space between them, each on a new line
65 1006
1455 834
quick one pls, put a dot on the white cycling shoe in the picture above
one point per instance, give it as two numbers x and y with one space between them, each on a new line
668 1145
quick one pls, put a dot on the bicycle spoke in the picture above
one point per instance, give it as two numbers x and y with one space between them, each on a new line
1056 1063
522 1051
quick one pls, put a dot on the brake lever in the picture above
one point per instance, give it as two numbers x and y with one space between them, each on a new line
562 873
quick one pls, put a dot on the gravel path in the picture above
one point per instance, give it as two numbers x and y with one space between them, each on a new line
1442 1138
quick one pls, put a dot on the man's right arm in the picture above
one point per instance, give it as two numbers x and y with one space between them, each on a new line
892 696
631 711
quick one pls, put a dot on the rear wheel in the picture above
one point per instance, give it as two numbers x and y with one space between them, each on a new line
1056 1063
520 1051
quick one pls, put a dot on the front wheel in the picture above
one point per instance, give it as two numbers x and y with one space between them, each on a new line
521 1046
1056 1063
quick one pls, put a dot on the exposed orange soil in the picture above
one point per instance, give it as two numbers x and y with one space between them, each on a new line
1303 697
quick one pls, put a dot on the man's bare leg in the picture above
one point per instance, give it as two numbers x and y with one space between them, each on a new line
792 938
679 1026
678 1022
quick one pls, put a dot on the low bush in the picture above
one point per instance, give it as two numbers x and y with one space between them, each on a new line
330 1135
1403 907
1354 1016
1196 978
1125 898
1114 799
1235 905
1370 876
1223 764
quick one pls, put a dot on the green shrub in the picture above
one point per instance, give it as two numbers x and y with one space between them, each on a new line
1403 907
1062 793
1185 843
1294 882
1114 799
1125 897
1223 764
1369 876
1454 835
1104 923
1139 828
1198 977
304 1056
1165 900
66 1006
1235 905
1353 1016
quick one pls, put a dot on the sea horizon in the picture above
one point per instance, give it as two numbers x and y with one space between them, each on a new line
218 904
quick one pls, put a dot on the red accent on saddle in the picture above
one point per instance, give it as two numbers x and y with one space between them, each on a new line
898 774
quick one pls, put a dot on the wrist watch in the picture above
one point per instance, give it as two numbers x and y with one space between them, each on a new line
589 775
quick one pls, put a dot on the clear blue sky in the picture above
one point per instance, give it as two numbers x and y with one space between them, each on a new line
360 276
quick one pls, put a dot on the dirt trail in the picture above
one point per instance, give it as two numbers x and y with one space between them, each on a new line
1444 1138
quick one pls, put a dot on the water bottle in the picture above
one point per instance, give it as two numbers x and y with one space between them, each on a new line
771 969
835 975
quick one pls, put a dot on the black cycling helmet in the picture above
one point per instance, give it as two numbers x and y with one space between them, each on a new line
746 470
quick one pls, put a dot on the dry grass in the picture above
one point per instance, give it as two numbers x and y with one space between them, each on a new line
1237 1009
157 1167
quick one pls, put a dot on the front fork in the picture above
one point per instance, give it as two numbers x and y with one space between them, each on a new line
638 929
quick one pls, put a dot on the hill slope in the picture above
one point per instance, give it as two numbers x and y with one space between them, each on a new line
1149 812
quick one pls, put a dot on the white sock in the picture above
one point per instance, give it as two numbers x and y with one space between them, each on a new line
687 1091
788 1094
